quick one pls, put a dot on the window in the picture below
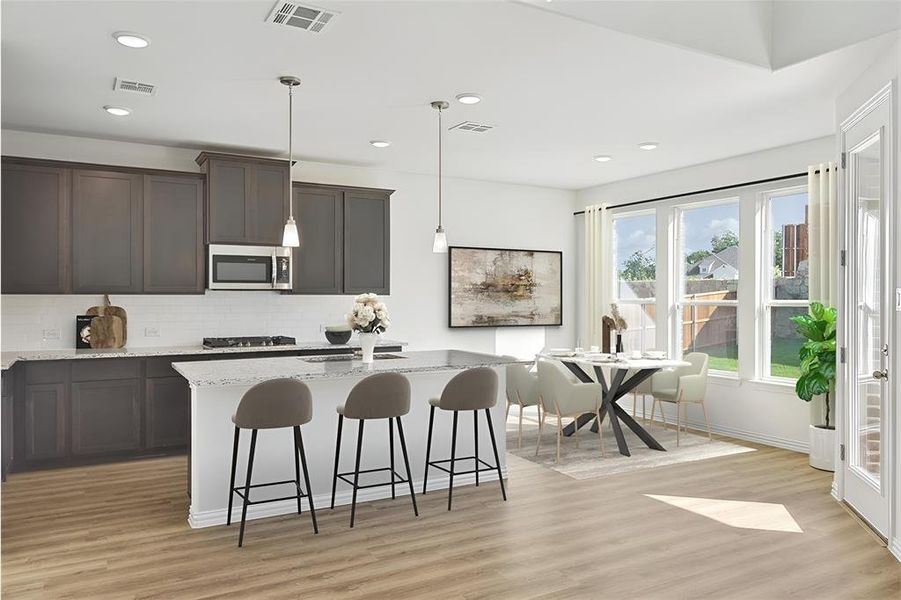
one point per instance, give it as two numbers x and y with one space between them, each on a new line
635 257
784 279
707 271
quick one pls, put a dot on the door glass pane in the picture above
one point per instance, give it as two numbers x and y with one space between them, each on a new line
867 407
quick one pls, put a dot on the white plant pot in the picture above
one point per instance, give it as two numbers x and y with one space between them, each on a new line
367 343
822 448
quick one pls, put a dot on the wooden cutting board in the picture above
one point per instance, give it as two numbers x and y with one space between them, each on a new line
113 333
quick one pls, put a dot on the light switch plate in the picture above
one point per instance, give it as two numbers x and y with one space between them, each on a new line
151 332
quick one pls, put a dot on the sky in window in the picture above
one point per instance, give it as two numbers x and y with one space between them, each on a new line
634 234
787 210
700 225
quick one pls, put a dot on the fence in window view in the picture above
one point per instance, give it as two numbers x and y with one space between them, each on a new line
705 326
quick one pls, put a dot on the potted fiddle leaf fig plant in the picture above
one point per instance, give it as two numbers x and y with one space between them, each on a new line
817 379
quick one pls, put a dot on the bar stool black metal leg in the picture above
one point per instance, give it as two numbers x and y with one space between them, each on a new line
475 436
391 451
353 505
403 448
497 460
296 469
231 485
337 453
428 449
450 487
306 478
253 447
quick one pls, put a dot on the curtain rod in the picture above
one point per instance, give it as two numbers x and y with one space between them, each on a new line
716 189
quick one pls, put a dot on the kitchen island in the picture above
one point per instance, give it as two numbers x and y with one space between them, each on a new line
217 387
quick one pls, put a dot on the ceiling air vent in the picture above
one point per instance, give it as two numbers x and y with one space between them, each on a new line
302 16
135 87
472 127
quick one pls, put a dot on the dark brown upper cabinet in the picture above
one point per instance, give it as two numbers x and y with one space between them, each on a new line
367 239
35 229
173 235
107 236
246 198
319 262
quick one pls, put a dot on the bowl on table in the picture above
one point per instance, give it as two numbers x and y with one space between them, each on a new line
655 354
338 334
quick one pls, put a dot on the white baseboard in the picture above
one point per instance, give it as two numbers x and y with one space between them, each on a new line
212 518
895 549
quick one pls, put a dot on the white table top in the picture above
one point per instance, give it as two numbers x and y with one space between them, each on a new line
626 363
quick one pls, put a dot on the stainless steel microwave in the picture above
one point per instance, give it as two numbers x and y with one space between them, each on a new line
234 267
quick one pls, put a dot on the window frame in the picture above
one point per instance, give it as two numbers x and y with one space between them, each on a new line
765 301
677 263
640 302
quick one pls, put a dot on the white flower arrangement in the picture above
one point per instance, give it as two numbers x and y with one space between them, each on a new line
369 314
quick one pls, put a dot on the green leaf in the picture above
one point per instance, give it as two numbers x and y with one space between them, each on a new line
817 311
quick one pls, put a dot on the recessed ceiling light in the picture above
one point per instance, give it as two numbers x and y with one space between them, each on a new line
380 143
118 111
603 158
648 145
469 98
132 40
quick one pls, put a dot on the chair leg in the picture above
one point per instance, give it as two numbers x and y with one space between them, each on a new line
497 460
231 485
678 420
306 477
450 488
403 449
540 429
653 408
428 449
475 437
634 405
576 430
391 452
337 453
706 420
253 447
521 408
297 468
559 436
507 414
353 504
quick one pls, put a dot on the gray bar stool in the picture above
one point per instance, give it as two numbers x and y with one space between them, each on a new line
475 390
381 396
272 405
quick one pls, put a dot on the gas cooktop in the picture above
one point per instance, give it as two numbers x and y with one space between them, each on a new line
248 342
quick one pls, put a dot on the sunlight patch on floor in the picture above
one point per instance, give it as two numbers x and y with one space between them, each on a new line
736 513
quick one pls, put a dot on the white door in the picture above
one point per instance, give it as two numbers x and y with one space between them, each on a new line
867 310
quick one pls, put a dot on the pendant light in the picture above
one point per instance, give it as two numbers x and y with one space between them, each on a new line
439 245
290 238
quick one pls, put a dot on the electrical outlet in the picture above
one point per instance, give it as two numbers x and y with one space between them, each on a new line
51 334
151 332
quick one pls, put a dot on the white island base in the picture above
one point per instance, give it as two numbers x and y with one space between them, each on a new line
217 387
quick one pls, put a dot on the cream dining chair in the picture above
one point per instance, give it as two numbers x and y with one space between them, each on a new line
565 398
522 391
682 386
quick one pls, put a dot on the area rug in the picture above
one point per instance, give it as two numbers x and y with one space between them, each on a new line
586 462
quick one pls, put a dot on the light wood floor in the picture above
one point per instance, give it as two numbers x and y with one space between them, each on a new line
119 531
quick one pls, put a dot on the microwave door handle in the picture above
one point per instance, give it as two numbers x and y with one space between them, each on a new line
274 265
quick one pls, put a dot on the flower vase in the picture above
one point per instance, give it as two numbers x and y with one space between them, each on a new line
367 344
619 343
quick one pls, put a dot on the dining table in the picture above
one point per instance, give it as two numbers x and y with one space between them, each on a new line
625 374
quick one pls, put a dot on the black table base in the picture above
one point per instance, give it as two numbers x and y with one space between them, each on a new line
619 387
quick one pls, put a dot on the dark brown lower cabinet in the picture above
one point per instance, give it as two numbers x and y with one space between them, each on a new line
45 421
106 416
6 430
167 402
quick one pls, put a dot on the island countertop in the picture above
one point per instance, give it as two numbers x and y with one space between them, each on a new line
250 371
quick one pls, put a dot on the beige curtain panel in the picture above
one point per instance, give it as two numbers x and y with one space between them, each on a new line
598 271
822 233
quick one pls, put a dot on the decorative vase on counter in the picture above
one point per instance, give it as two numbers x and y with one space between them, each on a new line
367 343
619 343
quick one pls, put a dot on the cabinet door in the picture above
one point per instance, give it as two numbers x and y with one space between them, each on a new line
229 204
319 262
35 229
6 425
366 242
173 235
270 206
45 421
106 232
106 416
166 412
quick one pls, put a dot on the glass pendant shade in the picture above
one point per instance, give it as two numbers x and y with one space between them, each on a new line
290 238
439 246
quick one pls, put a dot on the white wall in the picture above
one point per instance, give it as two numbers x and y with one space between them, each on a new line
475 213
742 407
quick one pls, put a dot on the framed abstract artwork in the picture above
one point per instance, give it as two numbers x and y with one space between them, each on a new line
500 287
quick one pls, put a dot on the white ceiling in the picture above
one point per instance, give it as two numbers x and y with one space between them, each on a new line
558 89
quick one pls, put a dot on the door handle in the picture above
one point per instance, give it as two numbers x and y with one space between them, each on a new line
883 374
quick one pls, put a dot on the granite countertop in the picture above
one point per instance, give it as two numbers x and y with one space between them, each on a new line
251 371
7 359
